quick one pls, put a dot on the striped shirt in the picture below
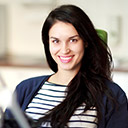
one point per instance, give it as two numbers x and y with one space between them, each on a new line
49 96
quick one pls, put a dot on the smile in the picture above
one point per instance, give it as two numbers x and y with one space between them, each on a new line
65 59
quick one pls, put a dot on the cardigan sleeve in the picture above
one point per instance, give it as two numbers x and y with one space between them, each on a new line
119 116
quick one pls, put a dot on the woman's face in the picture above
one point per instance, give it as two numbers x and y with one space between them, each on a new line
66 46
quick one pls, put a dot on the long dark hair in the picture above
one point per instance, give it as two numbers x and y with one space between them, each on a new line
88 86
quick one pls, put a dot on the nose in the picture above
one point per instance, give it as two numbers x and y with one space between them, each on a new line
65 48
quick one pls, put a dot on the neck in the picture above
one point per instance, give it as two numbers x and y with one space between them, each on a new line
62 77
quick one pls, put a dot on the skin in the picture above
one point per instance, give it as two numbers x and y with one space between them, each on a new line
67 49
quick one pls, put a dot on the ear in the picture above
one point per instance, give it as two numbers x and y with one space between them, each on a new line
86 44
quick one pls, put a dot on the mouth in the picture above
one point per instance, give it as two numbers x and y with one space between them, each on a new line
65 59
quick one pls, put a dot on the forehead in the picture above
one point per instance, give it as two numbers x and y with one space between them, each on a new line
62 28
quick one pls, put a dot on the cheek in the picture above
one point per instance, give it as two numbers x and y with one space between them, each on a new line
53 49
79 49
80 52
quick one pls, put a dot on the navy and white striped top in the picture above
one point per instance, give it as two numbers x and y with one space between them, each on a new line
49 96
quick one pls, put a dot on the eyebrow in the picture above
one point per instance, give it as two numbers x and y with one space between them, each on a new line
74 36
69 37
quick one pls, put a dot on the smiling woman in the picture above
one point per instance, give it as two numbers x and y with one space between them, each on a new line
80 93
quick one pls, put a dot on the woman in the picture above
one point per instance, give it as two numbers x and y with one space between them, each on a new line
80 93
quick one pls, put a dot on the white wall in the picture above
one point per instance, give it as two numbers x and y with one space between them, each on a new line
2 31
25 30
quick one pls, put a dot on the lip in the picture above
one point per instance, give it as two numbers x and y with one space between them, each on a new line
65 59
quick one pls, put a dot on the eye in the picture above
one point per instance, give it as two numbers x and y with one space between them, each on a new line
55 41
73 40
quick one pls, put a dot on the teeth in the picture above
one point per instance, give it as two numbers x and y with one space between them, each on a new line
65 58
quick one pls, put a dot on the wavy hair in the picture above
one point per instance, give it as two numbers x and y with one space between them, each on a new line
88 86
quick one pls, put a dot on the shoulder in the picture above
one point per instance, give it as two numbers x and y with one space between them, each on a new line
35 79
31 82
114 87
26 89
117 91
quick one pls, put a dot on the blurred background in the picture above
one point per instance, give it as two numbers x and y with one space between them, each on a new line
21 50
